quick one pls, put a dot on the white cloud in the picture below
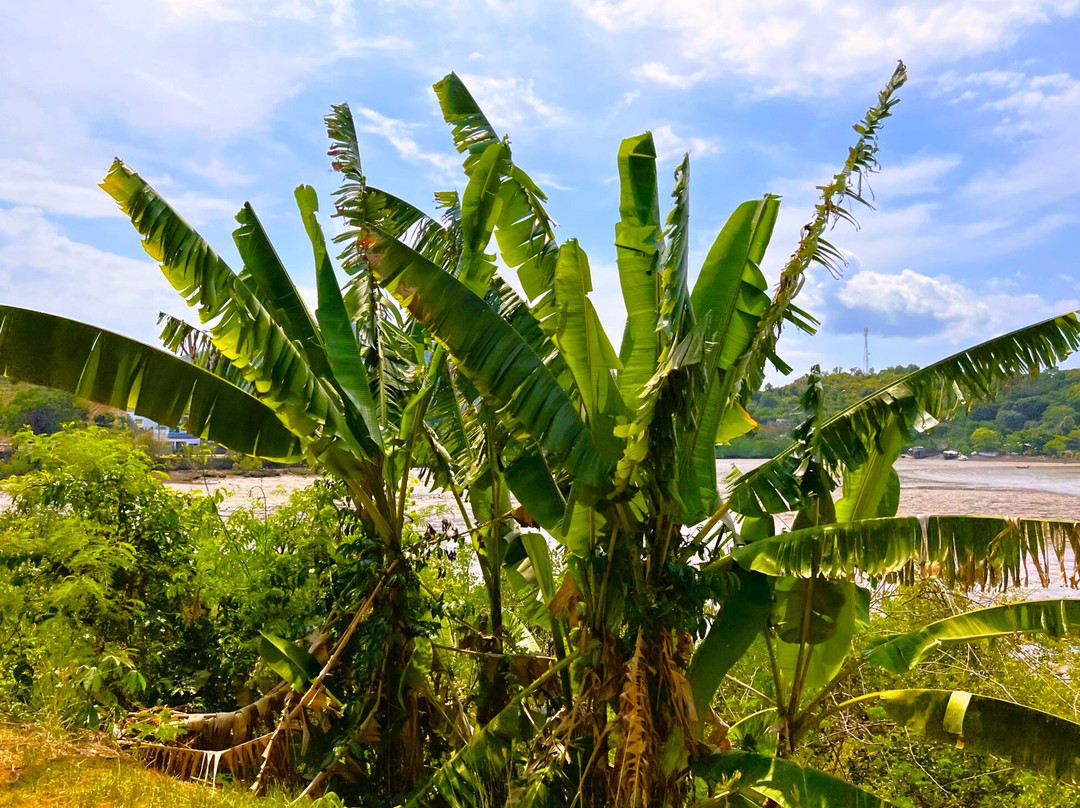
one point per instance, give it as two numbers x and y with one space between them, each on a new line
915 177
82 83
550 181
671 146
915 305
25 183
788 46
217 171
512 103
41 268
1039 114
399 135
661 74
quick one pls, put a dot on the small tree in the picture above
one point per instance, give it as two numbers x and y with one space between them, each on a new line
984 439
42 410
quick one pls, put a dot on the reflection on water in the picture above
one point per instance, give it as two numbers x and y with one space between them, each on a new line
1014 474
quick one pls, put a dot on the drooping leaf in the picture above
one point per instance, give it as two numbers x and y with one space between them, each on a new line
526 237
783 781
195 345
531 482
118 372
901 652
963 550
1031 739
814 622
289 661
740 618
916 401
240 326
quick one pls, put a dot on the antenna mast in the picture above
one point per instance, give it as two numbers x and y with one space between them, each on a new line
866 351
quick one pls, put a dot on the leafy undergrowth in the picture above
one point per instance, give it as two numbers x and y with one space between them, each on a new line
47 770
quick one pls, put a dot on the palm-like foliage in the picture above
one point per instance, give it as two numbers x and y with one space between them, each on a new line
428 361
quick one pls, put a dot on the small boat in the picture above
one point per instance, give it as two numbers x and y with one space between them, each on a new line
1023 466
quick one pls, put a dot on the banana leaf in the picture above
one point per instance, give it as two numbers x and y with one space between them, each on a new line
786 783
901 652
1031 739
119 372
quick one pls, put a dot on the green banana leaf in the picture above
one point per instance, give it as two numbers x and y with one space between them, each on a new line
481 207
638 243
813 623
242 328
742 615
676 311
526 237
901 652
264 274
194 345
873 489
786 783
963 550
342 351
472 131
119 372
289 661
490 353
917 401
465 778
1031 739
730 295
581 339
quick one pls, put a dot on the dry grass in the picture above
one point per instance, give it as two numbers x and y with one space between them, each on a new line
42 769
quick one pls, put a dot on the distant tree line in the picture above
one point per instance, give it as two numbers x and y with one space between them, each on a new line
1039 416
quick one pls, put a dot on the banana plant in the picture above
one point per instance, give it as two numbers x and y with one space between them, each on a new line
337 388
614 455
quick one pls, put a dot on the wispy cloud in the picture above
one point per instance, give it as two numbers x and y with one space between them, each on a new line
42 268
511 102
399 135
662 74
790 45
672 146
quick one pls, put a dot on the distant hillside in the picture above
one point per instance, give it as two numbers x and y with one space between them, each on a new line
1030 416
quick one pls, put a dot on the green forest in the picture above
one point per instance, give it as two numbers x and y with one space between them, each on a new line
587 617
1036 416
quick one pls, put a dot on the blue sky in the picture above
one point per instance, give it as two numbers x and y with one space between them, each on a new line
221 101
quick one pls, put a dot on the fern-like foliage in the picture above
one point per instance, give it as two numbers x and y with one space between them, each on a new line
847 186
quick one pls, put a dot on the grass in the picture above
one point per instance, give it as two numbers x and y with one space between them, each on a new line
43 769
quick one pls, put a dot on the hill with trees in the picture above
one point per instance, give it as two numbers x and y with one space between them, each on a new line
1039 416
